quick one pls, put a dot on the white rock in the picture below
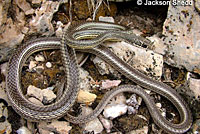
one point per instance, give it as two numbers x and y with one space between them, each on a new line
23 130
113 111
159 105
41 22
118 99
85 97
158 45
48 96
85 79
32 64
48 65
144 60
102 67
95 126
36 1
35 101
181 36
106 123
35 92
106 19
194 85
39 58
143 130
59 31
107 84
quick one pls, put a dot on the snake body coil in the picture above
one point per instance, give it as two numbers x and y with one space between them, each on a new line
58 109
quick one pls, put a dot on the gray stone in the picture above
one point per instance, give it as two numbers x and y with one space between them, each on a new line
181 30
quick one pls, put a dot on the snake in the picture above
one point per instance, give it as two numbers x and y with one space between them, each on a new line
80 33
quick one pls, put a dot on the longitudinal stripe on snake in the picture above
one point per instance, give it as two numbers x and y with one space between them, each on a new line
58 109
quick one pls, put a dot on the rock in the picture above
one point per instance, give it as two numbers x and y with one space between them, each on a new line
114 110
61 127
143 130
25 6
144 60
85 97
106 123
48 96
4 68
158 105
35 101
39 58
59 31
32 64
107 84
3 94
102 67
11 34
194 85
158 45
106 19
36 1
181 24
41 22
5 126
196 127
48 65
133 104
39 69
23 130
4 6
35 92
93 125
85 79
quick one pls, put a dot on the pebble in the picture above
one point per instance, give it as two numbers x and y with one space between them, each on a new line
23 130
114 110
48 65
39 69
48 96
93 125
39 58
194 85
33 91
32 64
106 123
107 84
107 19
85 97
159 105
